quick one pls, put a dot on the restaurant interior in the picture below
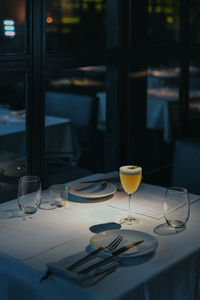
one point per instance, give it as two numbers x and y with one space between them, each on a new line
124 86
88 86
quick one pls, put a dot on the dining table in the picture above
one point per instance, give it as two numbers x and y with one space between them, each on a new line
162 110
60 135
29 243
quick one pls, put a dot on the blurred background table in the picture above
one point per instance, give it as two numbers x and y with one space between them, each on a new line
61 130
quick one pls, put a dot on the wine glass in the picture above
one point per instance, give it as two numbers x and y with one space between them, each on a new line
29 194
176 207
130 177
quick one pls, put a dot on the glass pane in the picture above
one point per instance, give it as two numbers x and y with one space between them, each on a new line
195 22
194 99
12 26
162 117
75 23
12 133
75 121
163 21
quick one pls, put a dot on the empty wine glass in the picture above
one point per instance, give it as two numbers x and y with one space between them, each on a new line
176 207
130 177
29 194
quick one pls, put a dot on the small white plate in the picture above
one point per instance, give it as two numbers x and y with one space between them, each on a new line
149 245
92 190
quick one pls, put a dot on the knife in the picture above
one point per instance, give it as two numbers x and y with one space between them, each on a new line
107 260
116 178
85 258
76 264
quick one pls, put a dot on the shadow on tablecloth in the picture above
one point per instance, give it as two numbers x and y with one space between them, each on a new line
164 229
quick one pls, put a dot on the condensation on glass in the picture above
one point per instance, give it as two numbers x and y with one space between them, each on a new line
12 133
12 26
163 21
75 23
76 109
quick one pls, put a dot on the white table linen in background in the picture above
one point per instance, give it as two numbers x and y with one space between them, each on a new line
173 272
162 110
60 135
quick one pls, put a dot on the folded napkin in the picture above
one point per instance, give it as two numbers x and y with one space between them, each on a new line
87 279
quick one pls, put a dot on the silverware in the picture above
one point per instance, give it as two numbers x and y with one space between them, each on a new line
113 245
109 259
100 273
108 179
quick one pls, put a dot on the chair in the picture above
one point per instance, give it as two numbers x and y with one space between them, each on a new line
186 164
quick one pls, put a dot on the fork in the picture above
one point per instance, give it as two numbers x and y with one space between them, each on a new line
109 248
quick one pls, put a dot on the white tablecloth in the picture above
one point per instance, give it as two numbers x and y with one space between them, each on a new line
173 272
60 135
162 109
162 112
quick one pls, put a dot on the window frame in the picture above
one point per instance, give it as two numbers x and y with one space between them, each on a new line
119 127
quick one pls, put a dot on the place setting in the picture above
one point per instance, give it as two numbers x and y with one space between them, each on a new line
99 188
109 249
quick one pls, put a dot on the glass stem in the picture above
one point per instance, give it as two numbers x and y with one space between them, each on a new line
129 204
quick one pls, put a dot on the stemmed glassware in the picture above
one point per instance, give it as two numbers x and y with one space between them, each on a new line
130 177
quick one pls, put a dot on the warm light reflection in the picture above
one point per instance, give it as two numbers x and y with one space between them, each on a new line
170 19
49 20
138 74
20 11
158 9
70 20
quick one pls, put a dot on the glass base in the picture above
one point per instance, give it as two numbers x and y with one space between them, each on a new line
29 209
175 223
129 220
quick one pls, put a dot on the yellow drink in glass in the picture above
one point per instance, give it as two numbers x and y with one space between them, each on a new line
130 182
130 177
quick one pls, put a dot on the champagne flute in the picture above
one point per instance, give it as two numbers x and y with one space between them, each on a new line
130 177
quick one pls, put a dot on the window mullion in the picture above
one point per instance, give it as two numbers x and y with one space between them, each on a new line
35 101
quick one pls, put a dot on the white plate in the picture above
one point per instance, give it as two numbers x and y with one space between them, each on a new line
104 238
91 190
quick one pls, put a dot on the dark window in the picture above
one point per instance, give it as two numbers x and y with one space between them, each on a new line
119 53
